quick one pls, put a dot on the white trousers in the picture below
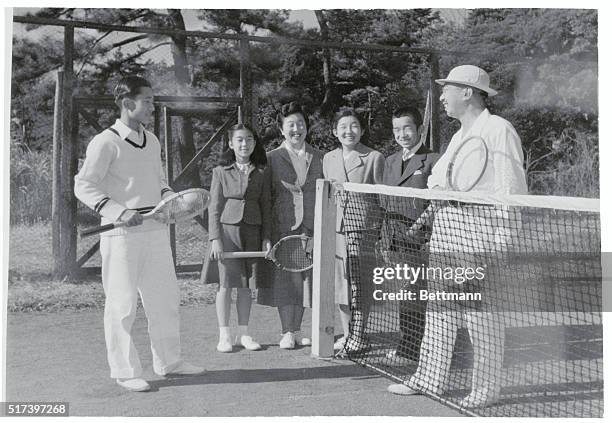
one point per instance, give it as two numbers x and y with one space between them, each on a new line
487 336
140 263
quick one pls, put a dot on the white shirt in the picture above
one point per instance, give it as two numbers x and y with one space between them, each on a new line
408 153
504 173
299 160
482 229
243 167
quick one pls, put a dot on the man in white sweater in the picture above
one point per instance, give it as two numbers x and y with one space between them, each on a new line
121 178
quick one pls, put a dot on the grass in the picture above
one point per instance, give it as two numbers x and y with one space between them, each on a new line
31 286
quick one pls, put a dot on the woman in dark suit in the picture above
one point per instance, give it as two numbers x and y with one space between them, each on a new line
293 169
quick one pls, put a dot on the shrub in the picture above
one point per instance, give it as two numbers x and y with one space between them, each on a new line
31 185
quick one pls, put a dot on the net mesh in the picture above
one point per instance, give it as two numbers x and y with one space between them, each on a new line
294 253
490 305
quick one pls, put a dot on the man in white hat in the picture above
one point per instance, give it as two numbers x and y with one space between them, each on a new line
463 95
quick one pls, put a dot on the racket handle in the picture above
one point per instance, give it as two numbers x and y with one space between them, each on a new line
245 254
99 229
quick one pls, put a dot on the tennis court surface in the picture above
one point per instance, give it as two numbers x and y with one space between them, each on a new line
61 357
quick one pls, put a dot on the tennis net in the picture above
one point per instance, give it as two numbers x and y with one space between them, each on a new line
490 304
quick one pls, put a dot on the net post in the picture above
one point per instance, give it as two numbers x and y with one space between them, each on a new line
323 271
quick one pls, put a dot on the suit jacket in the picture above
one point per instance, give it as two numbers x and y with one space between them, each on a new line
235 198
366 167
405 209
293 204
415 175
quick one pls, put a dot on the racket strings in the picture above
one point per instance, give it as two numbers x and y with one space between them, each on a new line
183 206
294 253
467 164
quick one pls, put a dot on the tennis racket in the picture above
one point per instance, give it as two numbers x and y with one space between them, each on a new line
292 253
465 169
467 164
174 208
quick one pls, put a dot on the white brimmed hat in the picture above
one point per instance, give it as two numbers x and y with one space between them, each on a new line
471 76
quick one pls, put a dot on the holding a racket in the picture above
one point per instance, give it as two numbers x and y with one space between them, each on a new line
485 155
292 253
120 177
239 220
466 166
294 168
172 209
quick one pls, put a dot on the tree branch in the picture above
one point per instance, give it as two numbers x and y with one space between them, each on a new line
130 40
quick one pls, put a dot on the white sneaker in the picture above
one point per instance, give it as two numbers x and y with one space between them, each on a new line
225 344
287 342
248 343
478 399
339 344
400 389
302 341
135 384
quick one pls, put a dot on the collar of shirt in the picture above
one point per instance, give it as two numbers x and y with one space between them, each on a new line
125 132
243 167
298 153
477 126
407 154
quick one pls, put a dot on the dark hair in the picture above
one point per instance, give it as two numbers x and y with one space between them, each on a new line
258 156
344 112
412 112
129 87
291 109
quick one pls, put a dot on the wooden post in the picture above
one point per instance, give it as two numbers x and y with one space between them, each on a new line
156 122
323 272
434 144
169 170
246 82
56 178
73 165
65 208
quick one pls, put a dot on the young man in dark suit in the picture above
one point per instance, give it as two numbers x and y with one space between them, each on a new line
409 167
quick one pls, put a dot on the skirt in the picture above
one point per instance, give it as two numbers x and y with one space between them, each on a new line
286 288
236 273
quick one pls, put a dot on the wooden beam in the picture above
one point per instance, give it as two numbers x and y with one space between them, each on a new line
223 36
57 181
90 119
89 254
66 211
198 156
323 271
191 112
434 65
246 111
109 100
157 121
169 170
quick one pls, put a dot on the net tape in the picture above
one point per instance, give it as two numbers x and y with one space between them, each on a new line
530 344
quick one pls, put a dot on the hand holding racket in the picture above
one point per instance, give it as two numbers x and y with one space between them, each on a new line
465 169
174 208
292 253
